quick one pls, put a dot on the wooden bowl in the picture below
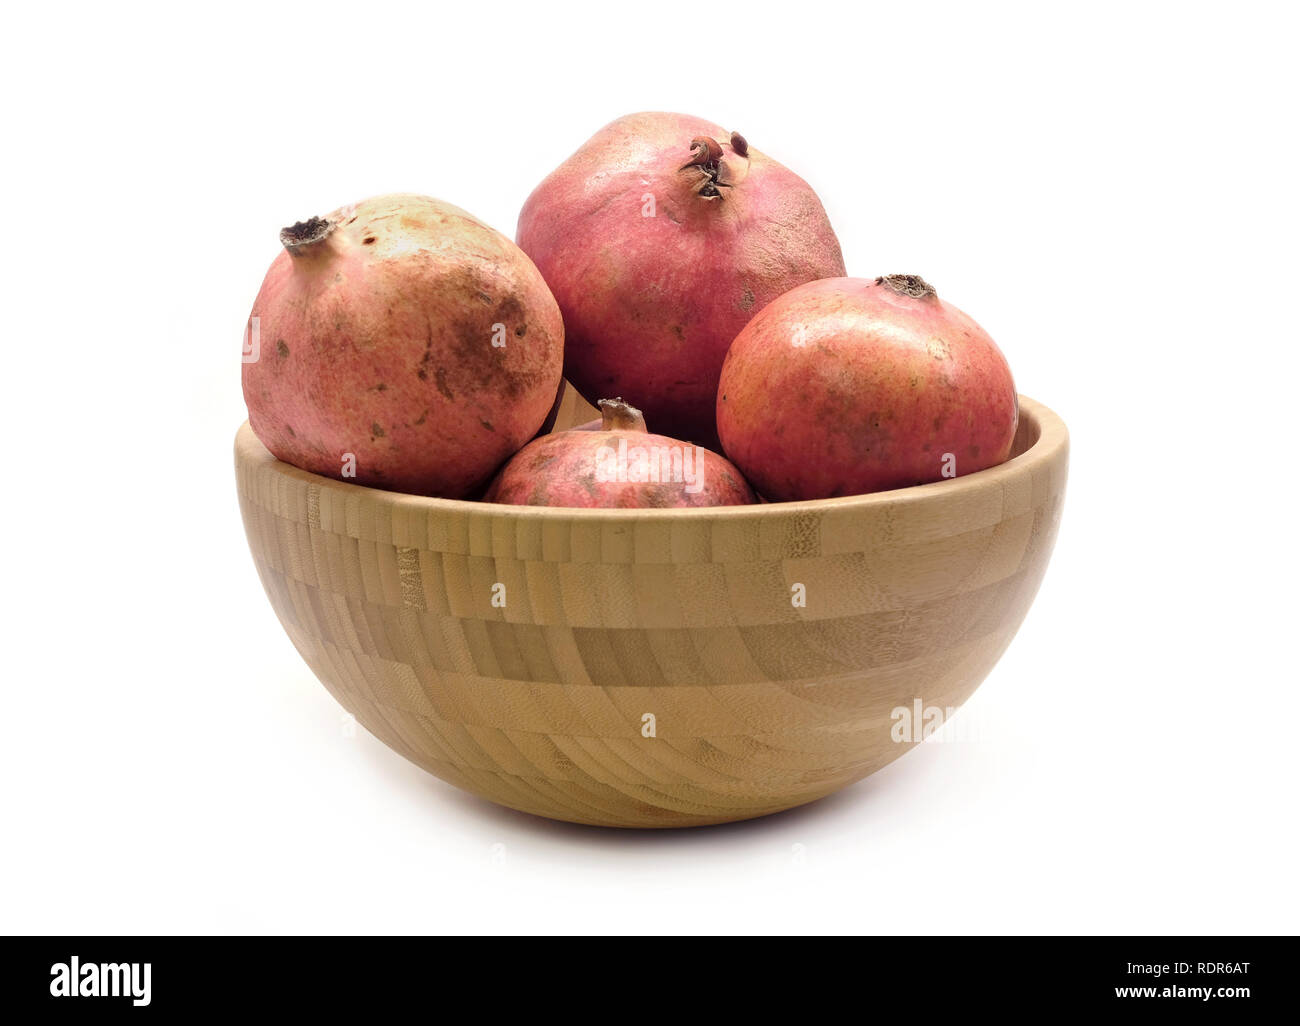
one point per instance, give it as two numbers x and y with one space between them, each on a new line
653 668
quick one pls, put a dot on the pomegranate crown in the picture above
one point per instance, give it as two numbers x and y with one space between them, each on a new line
706 155
617 415
302 234
908 285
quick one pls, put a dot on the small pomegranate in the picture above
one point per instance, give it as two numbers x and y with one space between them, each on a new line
404 344
615 462
660 238
849 385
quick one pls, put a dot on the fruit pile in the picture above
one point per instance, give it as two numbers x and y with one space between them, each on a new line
667 267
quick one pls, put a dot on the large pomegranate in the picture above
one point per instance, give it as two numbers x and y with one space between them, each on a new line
849 385
660 238
404 344
615 462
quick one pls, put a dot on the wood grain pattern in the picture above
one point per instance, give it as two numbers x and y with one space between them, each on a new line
686 615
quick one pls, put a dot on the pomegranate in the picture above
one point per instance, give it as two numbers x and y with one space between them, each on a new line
849 385
660 238
402 343
548 425
615 462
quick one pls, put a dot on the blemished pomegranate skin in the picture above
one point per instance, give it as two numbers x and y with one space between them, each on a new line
403 344
854 385
660 238
615 463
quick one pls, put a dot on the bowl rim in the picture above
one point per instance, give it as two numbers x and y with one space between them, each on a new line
1051 444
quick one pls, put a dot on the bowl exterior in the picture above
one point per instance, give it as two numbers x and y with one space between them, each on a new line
658 668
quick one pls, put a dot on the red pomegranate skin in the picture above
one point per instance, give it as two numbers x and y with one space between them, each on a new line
852 385
580 468
376 340
651 303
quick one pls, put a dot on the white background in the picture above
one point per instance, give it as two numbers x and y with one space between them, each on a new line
1111 193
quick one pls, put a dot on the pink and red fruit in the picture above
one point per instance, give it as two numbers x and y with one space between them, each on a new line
405 340
616 463
850 385
660 238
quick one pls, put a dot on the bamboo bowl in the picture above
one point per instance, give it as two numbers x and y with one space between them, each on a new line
651 668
